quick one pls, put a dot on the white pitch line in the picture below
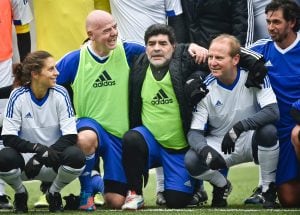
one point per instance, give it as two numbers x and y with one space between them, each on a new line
179 210
205 209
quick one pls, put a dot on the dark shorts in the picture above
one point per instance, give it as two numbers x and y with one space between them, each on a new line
176 176
109 148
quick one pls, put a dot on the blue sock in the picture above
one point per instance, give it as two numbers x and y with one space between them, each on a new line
224 172
85 177
97 184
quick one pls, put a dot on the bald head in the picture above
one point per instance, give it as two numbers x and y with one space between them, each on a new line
102 31
98 19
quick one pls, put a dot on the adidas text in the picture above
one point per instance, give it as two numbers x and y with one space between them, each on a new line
104 84
162 101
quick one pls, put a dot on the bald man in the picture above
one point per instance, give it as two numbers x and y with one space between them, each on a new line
98 76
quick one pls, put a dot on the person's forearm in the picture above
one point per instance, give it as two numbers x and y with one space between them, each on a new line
5 92
18 143
178 24
269 114
196 140
64 141
24 44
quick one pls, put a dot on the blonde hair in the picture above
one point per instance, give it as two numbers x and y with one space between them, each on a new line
235 46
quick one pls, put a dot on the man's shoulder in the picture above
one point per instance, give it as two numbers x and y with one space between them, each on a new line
70 55
262 43
70 58
139 62
209 80
133 47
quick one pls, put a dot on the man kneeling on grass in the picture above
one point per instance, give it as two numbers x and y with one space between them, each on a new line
239 122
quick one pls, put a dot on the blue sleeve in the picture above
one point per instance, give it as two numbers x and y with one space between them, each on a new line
67 67
259 46
257 49
296 105
132 49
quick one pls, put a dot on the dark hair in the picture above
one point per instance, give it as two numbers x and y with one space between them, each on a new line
157 29
33 62
290 10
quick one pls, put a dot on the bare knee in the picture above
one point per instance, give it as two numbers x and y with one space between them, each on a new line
87 141
288 194
295 136
114 200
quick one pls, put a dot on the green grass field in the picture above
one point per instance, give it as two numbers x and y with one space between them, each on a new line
244 179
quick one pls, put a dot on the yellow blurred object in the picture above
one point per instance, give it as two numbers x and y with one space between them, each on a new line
42 202
60 27
21 29
98 199
102 5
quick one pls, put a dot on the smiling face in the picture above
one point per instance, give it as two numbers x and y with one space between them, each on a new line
102 31
159 50
46 78
221 62
279 29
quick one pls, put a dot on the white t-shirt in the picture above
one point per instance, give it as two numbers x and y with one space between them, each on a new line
39 121
21 12
135 16
224 105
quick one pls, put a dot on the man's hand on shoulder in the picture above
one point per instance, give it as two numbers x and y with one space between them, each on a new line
256 75
198 53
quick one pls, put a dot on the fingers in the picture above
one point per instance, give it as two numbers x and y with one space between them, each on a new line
198 53
227 149
231 149
223 149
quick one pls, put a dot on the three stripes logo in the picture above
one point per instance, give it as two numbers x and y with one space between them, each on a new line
104 80
161 98
268 64
28 115
218 104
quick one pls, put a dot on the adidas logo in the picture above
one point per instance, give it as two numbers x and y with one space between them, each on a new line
188 183
104 80
218 104
28 115
268 64
161 98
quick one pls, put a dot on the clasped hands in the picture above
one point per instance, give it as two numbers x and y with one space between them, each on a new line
46 155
